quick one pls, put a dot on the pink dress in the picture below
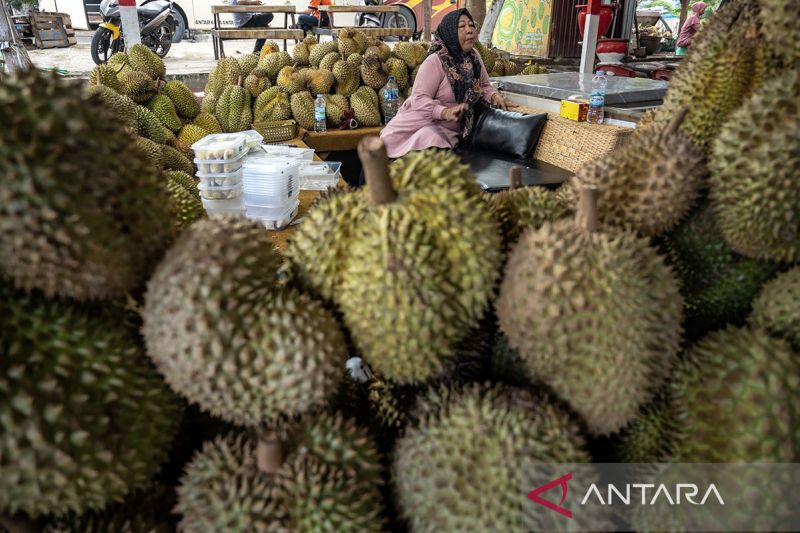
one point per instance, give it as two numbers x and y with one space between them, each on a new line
418 124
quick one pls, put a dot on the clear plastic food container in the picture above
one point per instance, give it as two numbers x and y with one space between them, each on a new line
270 183
225 192
220 147
276 219
301 154
221 179
319 175
219 208
253 138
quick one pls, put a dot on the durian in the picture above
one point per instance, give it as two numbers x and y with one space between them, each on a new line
328 480
182 97
138 86
274 353
233 110
142 59
595 316
84 417
425 285
754 169
291 80
329 60
188 206
372 72
780 31
164 110
207 122
397 68
124 107
320 51
467 462
273 63
365 105
173 159
301 51
226 72
190 134
272 105
650 184
347 76
88 238
776 307
346 42
320 81
335 105
303 109
412 54
106 75
256 83
247 63
268 48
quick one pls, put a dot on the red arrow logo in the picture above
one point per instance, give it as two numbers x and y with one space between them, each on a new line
562 482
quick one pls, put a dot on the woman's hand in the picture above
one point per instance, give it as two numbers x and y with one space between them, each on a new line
453 114
499 101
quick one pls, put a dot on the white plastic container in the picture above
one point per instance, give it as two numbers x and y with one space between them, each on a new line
226 192
253 138
270 182
319 175
302 154
219 208
274 219
220 153
221 179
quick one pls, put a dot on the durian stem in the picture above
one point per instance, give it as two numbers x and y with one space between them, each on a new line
515 177
677 120
586 217
372 153
269 452
17 524
239 83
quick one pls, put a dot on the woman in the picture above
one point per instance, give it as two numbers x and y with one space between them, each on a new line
449 84
689 28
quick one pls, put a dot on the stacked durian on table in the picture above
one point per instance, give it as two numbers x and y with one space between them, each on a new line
419 342
276 86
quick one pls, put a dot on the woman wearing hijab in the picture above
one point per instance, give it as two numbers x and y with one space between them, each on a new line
689 28
449 84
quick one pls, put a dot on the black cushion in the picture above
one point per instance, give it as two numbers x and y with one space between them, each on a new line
506 133
491 169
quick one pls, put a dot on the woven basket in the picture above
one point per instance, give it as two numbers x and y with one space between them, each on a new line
276 131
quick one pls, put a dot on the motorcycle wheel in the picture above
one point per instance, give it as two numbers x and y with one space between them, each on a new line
161 40
103 45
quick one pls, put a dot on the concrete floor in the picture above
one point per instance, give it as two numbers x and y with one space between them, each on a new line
186 57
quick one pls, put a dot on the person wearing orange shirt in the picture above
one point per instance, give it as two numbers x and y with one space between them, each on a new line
310 19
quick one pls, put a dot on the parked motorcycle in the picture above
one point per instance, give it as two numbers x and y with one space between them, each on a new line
156 22
404 19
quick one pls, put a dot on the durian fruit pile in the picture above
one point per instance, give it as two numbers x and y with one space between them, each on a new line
165 116
85 420
498 65
275 85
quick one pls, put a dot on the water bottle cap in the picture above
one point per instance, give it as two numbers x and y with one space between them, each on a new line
391 78
601 73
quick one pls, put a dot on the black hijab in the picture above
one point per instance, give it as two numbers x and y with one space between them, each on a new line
463 69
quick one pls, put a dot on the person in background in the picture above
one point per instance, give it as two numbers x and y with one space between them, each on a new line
689 28
450 83
251 20
310 19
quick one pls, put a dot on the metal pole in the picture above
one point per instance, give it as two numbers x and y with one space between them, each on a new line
590 36
427 15
130 23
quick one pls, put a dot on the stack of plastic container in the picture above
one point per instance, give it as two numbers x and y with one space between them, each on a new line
271 189
219 159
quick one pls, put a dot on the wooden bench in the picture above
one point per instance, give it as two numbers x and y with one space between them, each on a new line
393 11
218 34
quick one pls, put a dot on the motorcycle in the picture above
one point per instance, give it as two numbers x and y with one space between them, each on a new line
404 19
156 22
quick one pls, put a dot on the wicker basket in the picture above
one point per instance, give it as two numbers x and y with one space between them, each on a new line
276 131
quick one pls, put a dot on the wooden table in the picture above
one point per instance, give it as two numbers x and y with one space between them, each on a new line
281 237
218 34
383 10
335 140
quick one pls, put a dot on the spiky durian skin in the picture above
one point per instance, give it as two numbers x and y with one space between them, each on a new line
776 307
60 234
84 417
433 168
364 103
185 102
596 316
649 185
463 467
725 64
329 479
778 19
163 108
141 58
123 106
106 75
527 207
303 109
273 353
737 396
188 206
272 105
207 122
754 169
138 86
233 109
649 438
718 285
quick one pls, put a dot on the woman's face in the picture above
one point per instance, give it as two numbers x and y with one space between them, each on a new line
466 33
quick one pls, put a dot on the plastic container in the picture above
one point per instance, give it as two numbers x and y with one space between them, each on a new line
302 154
220 166
253 138
226 192
220 147
319 175
270 182
219 208
220 180
278 219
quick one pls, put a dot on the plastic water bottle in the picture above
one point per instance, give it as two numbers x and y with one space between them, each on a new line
391 97
319 114
598 98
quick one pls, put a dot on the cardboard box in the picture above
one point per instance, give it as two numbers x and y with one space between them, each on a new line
574 110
